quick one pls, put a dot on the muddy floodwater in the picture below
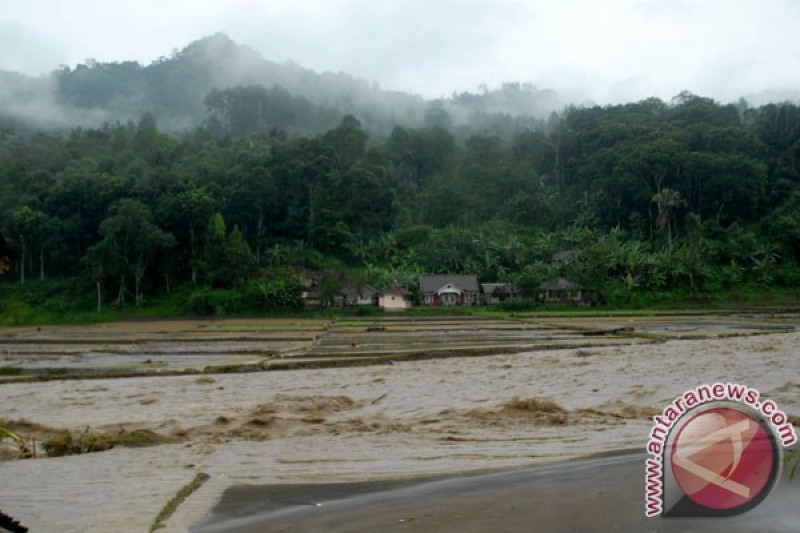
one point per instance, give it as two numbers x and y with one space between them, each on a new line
377 402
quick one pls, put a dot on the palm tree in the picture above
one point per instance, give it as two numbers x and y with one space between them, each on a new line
667 200
277 255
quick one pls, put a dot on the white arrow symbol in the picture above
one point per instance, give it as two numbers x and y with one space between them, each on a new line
734 433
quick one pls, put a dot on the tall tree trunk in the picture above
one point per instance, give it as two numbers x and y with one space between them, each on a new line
310 208
22 262
138 275
669 236
99 297
193 254
166 279
557 167
121 295
41 263
259 229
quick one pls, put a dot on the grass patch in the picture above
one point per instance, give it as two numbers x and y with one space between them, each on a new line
791 462
231 369
55 302
139 438
315 325
65 442
171 506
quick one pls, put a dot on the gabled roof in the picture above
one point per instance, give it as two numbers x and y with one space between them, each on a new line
489 288
433 282
352 290
559 284
395 288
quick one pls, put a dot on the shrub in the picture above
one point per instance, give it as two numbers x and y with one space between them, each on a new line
16 313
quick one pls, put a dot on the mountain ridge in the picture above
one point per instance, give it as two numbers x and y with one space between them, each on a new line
174 90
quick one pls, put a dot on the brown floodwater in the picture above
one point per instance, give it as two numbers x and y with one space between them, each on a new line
284 433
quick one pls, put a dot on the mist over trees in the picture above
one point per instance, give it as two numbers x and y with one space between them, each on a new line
654 200
210 80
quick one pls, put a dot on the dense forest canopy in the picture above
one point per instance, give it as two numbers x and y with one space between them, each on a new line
652 199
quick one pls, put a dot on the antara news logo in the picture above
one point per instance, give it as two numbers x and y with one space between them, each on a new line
715 451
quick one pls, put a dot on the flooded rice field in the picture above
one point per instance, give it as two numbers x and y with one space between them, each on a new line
215 346
376 401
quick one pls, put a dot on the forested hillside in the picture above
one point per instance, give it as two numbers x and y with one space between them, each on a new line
231 89
687 200
654 200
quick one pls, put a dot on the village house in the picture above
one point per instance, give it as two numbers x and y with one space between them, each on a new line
394 298
354 294
495 293
560 290
310 280
449 289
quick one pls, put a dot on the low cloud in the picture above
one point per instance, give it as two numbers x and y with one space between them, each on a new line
607 52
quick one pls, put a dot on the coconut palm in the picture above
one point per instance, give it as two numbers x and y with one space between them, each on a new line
667 201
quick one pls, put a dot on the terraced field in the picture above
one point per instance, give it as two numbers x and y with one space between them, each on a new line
192 346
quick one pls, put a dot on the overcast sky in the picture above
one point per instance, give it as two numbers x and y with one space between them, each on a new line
605 50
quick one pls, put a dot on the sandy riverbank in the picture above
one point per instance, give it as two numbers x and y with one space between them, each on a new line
362 423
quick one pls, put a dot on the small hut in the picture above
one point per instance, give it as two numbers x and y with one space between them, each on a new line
560 290
395 297
358 294
495 293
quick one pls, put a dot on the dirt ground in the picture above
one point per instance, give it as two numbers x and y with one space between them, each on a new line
384 421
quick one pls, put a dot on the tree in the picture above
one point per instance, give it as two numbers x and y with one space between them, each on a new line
784 224
130 241
254 109
418 155
238 257
186 211
691 261
252 197
778 127
282 288
667 201
5 255
35 229
227 259
348 142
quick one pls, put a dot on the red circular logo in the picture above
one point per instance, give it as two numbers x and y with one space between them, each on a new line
723 458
